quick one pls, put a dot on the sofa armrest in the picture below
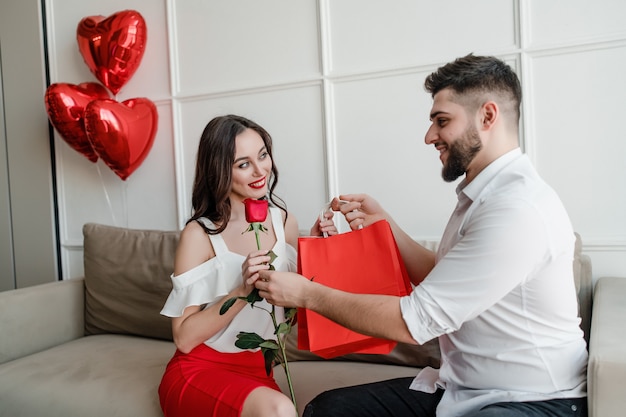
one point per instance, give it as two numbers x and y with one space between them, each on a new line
35 318
607 349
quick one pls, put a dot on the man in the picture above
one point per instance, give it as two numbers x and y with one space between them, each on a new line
499 293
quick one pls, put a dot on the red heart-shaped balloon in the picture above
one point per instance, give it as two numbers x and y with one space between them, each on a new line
121 133
112 47
65 104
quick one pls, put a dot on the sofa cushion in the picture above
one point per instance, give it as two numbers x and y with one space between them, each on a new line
95 376
127 280
607 367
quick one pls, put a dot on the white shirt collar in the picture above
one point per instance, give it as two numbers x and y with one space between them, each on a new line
473 189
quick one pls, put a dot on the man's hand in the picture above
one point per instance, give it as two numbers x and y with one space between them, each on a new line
360 210
283 289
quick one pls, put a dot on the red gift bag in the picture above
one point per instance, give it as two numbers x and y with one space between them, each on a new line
365 261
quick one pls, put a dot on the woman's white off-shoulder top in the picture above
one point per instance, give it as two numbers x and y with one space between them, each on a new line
210 281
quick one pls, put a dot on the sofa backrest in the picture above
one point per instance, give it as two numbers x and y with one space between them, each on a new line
127 280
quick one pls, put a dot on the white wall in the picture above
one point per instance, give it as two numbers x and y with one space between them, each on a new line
28 251
338 83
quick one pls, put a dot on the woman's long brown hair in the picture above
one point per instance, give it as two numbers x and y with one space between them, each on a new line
214 168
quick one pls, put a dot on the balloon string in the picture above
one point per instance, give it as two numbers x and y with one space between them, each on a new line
106 195
125 201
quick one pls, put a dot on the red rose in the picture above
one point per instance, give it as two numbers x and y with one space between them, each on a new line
273 350
256 210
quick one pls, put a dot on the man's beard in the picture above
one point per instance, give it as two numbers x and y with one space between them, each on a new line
460 154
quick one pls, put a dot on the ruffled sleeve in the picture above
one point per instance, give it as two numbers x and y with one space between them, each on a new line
203 284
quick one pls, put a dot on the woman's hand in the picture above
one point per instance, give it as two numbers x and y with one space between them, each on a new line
326 225
255 261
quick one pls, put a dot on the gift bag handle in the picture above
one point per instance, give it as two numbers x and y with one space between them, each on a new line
326 208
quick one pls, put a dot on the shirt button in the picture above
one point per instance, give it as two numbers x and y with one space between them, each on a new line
574 408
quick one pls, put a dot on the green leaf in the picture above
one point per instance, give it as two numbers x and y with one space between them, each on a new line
227 305
253 297
290 313
272 256
247 340
256 227
283 328
270 344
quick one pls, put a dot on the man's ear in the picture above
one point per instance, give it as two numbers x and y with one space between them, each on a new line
489 113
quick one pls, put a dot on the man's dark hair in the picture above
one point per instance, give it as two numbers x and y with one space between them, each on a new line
474 78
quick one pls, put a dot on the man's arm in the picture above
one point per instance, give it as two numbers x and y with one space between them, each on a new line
373 315
418 260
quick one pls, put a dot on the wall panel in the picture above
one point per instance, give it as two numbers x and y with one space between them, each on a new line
559 22
66 64
369 36
575 113
91 192
222 45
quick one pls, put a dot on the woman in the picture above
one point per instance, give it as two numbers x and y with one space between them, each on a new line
209 375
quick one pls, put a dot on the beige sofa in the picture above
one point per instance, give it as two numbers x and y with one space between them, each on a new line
97 346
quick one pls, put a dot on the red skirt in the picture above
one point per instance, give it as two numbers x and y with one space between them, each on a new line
208 383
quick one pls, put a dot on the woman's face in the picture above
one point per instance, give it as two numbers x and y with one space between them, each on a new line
252 166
